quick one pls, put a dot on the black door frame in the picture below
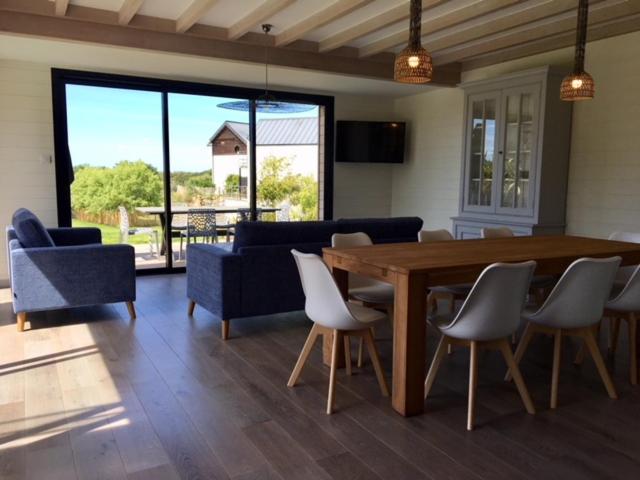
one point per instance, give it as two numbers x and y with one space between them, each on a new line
60 78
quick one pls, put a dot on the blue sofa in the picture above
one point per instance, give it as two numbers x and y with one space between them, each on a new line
257 275
65 267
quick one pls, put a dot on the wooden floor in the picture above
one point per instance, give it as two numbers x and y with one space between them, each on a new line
89 394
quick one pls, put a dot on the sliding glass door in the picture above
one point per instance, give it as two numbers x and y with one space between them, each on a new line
160 164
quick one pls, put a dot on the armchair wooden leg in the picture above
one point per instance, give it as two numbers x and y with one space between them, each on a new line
132 310
555 374
347 354
304 355
192 306
592 345
522 347
225 329
435 365
334 365
517 377
22 319
375 360
633 360
473 383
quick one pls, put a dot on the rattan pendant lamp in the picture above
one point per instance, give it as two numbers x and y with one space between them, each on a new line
579 84
413 64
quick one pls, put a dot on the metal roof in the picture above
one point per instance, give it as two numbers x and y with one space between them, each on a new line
276 131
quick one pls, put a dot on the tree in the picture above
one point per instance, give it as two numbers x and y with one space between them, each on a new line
130 184
232 183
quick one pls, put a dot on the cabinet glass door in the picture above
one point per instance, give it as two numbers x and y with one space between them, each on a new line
481 147
516 186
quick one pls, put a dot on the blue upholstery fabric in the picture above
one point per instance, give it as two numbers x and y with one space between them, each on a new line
83 273
29 229
64 237
258 275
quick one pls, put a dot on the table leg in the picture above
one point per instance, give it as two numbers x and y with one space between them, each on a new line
409 345
342 279
163 228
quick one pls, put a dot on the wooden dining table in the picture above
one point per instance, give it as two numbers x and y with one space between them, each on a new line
414 267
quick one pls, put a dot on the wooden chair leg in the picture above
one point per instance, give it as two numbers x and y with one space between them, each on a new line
332 375
347 354
517 376
304 355
192 306
22 319
614 332
225 330
592 345
522 348
473 383
435 365
375 360
132 310
360 352
555 373
633 358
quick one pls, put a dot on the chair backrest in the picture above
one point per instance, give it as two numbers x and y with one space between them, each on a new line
201 221
124 219
497 232
434 236
624 273
284 213
244 214
323 301
579 297
348 240
628 299
494 306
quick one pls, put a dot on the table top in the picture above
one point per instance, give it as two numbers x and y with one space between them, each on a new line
553 254
180 210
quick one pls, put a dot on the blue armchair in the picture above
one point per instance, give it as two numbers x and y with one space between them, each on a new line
69 268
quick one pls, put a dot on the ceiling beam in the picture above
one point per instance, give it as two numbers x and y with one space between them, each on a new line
128 9
454 17
558 24
620 26
61 7
194 12
256 16
382 20
105 32
328 14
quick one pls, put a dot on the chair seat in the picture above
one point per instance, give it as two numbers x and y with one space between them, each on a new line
141 230
441 321
366 316
381 293
462 289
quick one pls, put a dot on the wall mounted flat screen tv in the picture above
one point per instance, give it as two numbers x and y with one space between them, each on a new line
370 142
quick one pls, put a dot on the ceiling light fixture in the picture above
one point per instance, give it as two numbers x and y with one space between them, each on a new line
413 64
579 84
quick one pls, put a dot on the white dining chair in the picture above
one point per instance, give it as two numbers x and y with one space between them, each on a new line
331 315
496 232
371 292
487 319
441 235
574 308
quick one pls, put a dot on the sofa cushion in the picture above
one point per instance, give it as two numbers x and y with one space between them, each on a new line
29 230
380 229
279 233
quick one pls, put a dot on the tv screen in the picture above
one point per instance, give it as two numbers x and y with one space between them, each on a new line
371 142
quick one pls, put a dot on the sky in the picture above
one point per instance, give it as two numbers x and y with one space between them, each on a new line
107 125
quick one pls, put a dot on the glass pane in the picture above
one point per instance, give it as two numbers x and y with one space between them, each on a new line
287 163
488 143
115 140
475 162
209 148
527 108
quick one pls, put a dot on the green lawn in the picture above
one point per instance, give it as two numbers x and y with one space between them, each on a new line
112 234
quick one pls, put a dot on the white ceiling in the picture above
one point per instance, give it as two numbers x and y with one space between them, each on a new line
66 54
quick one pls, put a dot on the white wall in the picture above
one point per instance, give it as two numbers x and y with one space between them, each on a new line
605 148
27 179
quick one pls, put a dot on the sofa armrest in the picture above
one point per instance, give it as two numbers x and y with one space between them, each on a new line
214 279
63 237
58 277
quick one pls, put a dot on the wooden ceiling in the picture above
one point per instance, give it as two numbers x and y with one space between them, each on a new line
353 37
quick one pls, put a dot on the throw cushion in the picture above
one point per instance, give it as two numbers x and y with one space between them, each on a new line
29 230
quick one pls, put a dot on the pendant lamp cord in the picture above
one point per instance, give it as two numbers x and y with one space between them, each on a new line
581 35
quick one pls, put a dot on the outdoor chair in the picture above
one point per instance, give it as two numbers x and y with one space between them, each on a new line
126 230
201 222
